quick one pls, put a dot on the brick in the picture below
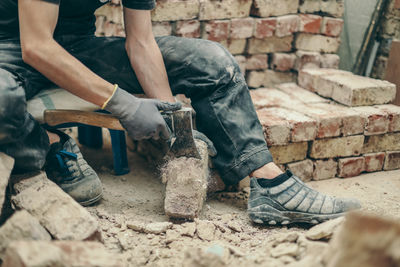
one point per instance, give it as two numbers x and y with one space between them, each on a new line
379 143
324 169
287 25
241 60
302 169
377 121
393 113
264 27
392 161
276 129
235 46
267 78
162 28
310 23
283 61
310 79
64 218
60 253
6 166
337 147
216 30
100 20
270 8
332 26
268 97
188 28
374 161
307 60
303 95
310 6
350 167
397 4
270 45
289 153
255 79
170 10
112 13
317 43
333 8
242 28
21 226
223 9
257 62
330 61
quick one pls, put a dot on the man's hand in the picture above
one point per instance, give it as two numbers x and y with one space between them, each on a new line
140 117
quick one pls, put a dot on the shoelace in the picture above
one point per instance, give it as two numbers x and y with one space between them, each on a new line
63 157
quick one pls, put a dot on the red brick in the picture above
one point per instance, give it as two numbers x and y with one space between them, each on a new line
310 23
283 61
188 28
374 162
162 28
268 97
330 61
324 169
217 30
264 27
242 28
276 129
393 112
307 60
377 120
305 96
257 62
349 167
332 26
241 60
392 161
397 4
287 25
302 169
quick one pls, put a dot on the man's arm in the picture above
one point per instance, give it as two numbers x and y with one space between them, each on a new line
37 21
145 55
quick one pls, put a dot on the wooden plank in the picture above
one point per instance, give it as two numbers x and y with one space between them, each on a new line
393 67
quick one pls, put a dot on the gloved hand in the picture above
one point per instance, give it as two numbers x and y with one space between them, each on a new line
212 152
140 117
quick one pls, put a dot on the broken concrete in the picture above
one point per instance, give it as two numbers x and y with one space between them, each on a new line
6 166
62 216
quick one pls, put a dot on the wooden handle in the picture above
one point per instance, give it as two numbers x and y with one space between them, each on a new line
58 117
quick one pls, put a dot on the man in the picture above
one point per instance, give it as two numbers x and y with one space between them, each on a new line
51 41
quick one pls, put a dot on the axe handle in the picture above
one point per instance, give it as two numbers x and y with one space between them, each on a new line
58 117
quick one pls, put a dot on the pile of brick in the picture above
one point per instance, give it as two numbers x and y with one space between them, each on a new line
333 123
271 39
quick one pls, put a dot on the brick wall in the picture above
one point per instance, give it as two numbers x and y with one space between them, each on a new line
271 39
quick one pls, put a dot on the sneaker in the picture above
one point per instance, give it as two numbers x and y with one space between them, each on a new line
286 199
66 167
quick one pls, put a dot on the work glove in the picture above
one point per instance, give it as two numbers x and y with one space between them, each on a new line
140 117
212 152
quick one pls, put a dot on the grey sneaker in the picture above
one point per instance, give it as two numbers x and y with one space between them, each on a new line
67 168
286 199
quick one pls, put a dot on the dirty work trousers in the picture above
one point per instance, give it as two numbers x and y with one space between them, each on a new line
202 70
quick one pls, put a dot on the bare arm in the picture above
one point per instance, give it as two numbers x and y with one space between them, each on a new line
38 20
145 55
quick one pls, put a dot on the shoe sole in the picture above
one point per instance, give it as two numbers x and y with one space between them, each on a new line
91 201
272 216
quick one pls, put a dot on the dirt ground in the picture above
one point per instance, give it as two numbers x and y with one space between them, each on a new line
223 227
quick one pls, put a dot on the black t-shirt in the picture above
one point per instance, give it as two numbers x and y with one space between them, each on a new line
75 16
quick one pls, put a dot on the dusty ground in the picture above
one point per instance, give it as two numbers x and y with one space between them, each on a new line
138 198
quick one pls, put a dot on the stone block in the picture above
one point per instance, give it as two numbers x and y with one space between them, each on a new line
277 130
301 94
188 28
324 169
223 9
307 60
310 23
242 28
377 121
257 62
60 253
337 147
289 153
332 26
374 161
330 61
216 30
268 78
310 6
393 112
6 166
270 45
21 226
170 10
302 169
264 27
379 143
271 8
392 161
317 43
350 167
283 61
333 8
287 25
268 97
163 28
56 211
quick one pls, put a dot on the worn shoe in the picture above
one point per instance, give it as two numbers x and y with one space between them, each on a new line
286 199
66 167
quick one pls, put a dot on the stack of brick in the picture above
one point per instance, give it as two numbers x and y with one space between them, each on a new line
318 138
271 39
